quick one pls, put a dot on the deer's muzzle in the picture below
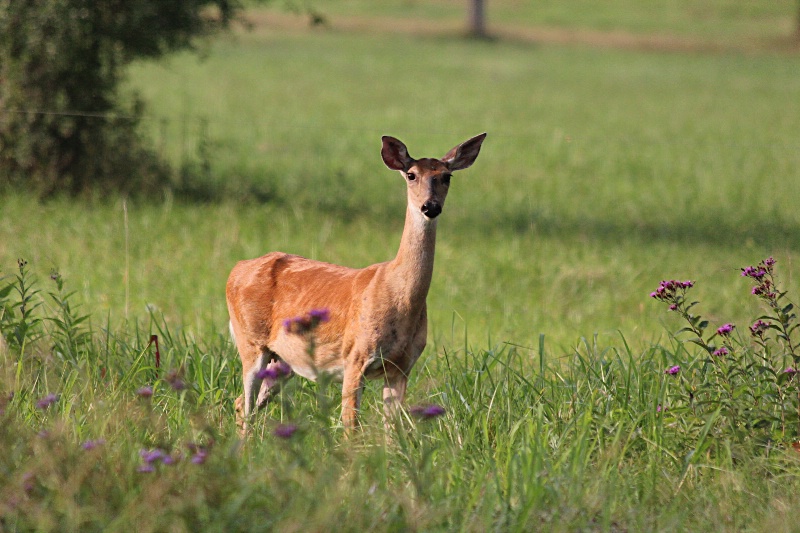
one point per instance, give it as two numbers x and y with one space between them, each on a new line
431 209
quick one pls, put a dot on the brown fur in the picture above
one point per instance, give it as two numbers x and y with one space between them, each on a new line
378 316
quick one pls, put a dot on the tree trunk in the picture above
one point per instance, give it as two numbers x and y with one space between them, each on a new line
797 23
477 19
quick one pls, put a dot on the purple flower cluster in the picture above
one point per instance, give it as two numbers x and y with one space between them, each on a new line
199 457
274 370
668 291
150 458
175 380
722 350
762 274
284 431
758 328
673 370
306 323
145 392
754 272
199 453
725 330
47 401
426 412
760 270
92 444
764 290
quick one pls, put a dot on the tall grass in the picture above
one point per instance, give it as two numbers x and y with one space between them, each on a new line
526 442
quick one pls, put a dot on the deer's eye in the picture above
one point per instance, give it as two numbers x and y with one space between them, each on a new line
411 176
446 179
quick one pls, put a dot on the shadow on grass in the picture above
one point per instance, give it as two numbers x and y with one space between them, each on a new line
717 228
768 233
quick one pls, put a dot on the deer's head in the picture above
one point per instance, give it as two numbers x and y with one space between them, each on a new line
428 179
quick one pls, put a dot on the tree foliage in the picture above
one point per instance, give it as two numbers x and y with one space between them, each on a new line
64 126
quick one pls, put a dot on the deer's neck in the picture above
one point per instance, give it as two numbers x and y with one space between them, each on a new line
412 268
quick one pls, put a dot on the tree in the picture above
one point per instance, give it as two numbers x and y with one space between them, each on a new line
477 18
797 23
63 124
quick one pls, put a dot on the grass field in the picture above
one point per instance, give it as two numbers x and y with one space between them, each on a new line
605 171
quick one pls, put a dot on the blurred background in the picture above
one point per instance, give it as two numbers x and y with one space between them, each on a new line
147 149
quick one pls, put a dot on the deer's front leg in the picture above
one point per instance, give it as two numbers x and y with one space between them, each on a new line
394 392
352 386
253 360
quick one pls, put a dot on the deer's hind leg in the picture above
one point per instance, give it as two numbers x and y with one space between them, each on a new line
352 387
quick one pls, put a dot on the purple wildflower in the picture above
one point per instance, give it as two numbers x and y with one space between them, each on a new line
722 350
175 380
267 372
151 456
145 392
92 444
276 368
320 315
660 409
306 323
758 328
426 412
284 431
283 368
789 370
199 457
725 330
169 459
754 273
762 273
199 452
146 468
667 291
47 401
673 370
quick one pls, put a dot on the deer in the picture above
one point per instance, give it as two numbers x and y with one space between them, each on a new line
370 322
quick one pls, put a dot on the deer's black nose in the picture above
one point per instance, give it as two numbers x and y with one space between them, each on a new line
431 209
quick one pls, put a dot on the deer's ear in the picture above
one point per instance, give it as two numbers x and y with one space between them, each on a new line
395 154
463 155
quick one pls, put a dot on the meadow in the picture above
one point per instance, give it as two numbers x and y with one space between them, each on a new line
605 171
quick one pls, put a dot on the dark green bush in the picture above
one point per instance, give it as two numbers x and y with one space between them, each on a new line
64 126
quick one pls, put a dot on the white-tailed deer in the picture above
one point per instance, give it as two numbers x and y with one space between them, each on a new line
376 320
